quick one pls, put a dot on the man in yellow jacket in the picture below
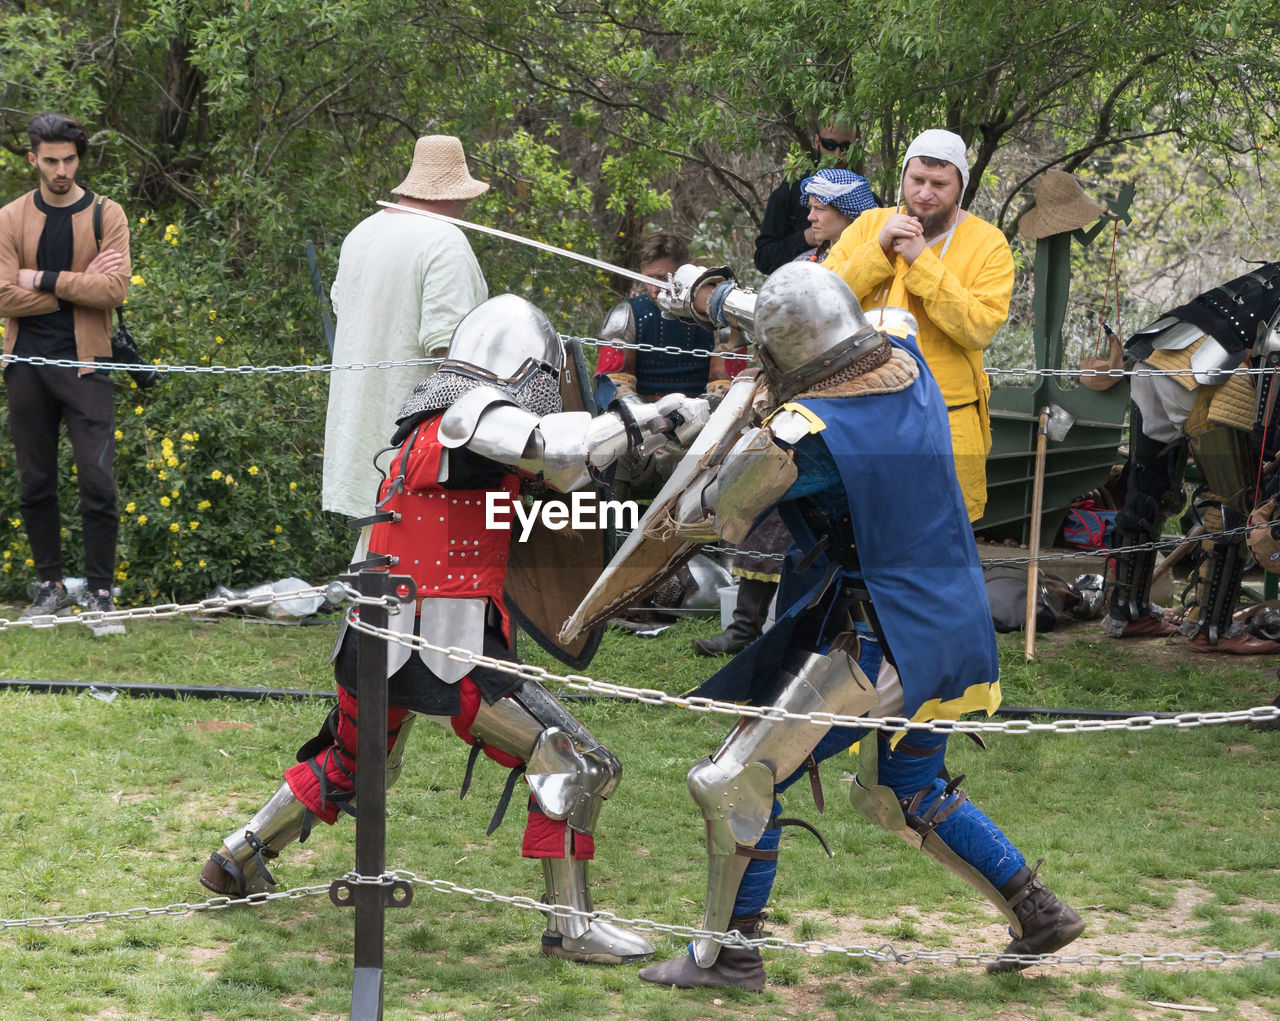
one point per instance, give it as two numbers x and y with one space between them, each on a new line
954 272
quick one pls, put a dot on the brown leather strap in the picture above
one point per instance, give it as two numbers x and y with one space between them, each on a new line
815 782
742 851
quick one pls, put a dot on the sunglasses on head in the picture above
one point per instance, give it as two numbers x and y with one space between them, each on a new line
831 145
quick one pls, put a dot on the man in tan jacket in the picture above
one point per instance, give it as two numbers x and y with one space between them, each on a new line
57 290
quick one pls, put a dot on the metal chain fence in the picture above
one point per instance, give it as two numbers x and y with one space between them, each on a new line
886 953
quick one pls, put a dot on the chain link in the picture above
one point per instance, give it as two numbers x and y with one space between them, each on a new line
1156 544
219 370
652 696
341 592
885 953
669 349
335 592
179 908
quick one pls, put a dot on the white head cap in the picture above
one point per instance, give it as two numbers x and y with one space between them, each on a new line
941 145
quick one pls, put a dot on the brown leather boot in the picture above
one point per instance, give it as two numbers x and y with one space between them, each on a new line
1243 644
749 615
734 966
1048 924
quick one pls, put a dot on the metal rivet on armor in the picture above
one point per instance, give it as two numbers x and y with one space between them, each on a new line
437 563
452 541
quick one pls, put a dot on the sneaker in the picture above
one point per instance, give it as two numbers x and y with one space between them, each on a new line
101 602
52 600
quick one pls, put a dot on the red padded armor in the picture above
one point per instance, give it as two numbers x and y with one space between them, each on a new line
337 763
440 538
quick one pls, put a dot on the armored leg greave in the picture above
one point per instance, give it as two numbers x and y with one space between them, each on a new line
1217 585
734 788
570 774
239 867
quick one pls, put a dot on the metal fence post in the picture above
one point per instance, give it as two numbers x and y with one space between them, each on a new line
371 901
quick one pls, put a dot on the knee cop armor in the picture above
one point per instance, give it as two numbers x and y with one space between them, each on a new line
734 788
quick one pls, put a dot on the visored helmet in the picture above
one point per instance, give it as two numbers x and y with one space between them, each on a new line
504 339
808 325
506 343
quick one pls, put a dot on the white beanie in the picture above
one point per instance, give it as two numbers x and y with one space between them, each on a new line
941 145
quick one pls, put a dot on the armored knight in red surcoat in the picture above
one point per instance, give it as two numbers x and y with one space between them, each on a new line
484 425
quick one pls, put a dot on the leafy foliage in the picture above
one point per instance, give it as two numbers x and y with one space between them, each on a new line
253 127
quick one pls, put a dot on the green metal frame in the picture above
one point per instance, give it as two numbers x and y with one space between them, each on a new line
1083 460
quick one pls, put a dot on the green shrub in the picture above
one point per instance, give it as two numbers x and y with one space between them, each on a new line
218 474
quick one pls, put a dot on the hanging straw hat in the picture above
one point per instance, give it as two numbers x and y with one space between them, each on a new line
1060 206
439 172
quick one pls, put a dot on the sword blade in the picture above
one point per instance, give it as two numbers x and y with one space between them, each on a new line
519 239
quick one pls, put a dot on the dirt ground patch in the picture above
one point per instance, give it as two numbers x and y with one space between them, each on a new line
1170 930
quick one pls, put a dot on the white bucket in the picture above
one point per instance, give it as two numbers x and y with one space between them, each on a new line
728 602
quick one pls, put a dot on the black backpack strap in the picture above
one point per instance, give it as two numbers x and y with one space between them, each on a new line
97 220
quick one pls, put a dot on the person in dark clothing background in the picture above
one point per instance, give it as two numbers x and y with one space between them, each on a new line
57 289
785 231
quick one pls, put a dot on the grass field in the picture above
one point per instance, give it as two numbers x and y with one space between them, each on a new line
1169 842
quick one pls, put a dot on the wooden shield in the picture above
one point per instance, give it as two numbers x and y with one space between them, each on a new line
645 561
549 574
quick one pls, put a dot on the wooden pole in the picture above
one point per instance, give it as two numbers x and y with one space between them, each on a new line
1037 501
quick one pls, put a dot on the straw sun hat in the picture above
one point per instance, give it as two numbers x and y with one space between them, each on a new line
1060 206
439 172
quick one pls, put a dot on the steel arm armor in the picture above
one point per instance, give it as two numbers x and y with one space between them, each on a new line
566 447
725 500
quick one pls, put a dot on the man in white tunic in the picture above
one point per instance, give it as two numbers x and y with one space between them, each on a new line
404 282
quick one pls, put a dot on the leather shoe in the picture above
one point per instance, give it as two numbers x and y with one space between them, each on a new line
1048 924
734 966
1234 645
1149 627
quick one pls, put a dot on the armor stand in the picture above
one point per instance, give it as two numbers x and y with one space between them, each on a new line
371 901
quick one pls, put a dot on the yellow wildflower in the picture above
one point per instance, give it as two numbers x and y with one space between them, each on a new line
215 475
293 485
193 525
119 435
137 280
164 501
174 527
203 505
130 507
142 519
279 529
253 469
